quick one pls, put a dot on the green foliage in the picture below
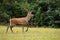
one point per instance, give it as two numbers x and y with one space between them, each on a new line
44 6
46 13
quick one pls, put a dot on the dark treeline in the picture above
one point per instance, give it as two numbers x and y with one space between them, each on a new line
46 12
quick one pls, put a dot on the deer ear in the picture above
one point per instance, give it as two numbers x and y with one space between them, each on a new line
30 11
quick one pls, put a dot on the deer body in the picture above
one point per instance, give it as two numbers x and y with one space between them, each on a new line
18 21
22 21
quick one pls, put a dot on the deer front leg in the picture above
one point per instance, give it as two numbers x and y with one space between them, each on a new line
27 29
22 28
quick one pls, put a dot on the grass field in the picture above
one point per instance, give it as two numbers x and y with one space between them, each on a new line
32 34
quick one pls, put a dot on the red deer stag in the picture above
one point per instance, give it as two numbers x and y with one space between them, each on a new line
22 21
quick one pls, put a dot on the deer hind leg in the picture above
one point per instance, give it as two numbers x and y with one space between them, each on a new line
11 28
7 29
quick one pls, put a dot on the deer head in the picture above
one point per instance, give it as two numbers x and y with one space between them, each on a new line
30 14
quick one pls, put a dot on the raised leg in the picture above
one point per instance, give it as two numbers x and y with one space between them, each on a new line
27 29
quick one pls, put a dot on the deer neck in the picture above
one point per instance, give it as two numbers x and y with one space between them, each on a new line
28 17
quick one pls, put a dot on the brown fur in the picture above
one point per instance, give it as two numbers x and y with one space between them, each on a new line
22 21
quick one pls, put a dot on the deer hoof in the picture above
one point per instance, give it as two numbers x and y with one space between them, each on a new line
26 30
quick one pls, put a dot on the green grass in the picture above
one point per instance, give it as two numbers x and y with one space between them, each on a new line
32 34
